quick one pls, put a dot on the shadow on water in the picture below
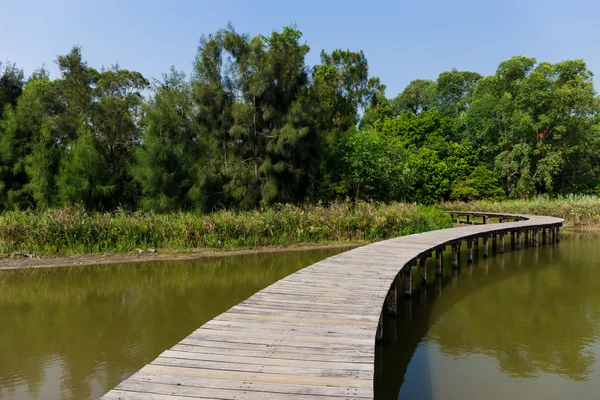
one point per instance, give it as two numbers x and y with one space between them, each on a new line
534 312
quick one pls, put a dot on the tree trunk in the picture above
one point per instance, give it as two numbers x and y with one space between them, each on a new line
356 192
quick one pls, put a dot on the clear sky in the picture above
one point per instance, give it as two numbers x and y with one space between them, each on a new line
403 40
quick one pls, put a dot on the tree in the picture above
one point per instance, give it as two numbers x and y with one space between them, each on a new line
417 96
83 178
431 180
24 128
12 81
165 162
347 75
114 114
454 91
529 118
370 165
480 184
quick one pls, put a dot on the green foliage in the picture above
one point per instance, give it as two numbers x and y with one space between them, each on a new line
530 118
12 81
255 125
480 184
431 176
82 178
371 165
165 164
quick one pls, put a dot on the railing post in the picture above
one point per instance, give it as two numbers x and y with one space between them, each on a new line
438 261
485 219
468 218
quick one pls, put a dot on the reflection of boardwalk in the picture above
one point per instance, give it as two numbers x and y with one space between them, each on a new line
312 334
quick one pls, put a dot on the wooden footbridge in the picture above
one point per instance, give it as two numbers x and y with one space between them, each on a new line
313 333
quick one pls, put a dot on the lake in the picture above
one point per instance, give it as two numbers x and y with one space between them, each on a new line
525 324
77 332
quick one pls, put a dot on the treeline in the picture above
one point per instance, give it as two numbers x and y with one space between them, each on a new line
254 125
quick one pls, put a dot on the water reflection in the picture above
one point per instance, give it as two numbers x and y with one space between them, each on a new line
526 322
74 333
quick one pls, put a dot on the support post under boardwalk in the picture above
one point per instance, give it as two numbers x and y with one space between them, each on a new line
535 237
551 232
469 251
513 241
494 242
392 299
423 269
476 246
558 234
455 254
407 278
544 236
501 242
519 237
438 261
485 246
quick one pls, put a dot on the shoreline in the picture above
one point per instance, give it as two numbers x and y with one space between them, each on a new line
12 264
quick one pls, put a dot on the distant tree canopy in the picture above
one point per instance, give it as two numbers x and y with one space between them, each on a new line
254 125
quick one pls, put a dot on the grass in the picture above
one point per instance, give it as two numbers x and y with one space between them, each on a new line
578 211
75 231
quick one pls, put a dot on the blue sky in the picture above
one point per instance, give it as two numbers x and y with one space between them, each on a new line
403 40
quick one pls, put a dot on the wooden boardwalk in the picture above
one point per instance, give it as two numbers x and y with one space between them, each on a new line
313 333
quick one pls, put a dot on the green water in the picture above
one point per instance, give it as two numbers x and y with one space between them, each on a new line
523 325
75 333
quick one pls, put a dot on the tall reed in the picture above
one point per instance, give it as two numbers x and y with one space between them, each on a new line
73 230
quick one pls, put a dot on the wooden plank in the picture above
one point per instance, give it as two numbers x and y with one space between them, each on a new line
334 391
258 377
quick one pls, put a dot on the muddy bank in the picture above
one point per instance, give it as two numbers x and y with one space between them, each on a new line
21 261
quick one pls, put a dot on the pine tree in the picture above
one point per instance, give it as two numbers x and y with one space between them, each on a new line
82 178
165 161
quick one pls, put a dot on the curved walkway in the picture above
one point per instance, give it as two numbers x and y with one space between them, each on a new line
312 334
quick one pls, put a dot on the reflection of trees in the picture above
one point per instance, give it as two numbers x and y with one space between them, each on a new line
101 324
540 320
